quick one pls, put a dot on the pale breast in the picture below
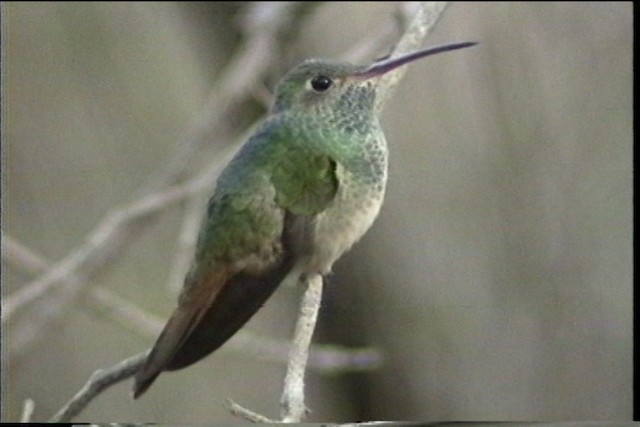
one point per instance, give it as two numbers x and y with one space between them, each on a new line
345 221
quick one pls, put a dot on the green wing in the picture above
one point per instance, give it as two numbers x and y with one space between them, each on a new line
275 176
305 182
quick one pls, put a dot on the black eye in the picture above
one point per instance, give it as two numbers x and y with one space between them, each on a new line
321 83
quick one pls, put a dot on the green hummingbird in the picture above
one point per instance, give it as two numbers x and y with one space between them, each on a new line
301 191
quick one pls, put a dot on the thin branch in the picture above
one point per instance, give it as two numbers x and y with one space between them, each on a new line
15 253
99 381
27 411
242 412
422 24
292 400
293 409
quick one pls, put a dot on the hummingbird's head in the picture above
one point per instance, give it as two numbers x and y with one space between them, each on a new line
323 86
318 86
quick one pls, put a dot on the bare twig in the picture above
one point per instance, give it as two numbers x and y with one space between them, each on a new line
292 400
422 24
99 381
27 411
17 254
242 412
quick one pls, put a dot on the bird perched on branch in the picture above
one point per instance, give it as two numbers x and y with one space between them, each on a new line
301 191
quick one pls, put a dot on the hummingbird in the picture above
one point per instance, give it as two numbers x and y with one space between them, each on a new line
299 193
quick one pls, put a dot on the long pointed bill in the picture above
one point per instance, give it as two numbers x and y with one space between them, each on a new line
386 65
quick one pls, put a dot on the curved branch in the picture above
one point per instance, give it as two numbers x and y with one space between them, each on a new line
100 380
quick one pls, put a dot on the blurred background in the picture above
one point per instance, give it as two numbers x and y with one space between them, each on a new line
497 281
